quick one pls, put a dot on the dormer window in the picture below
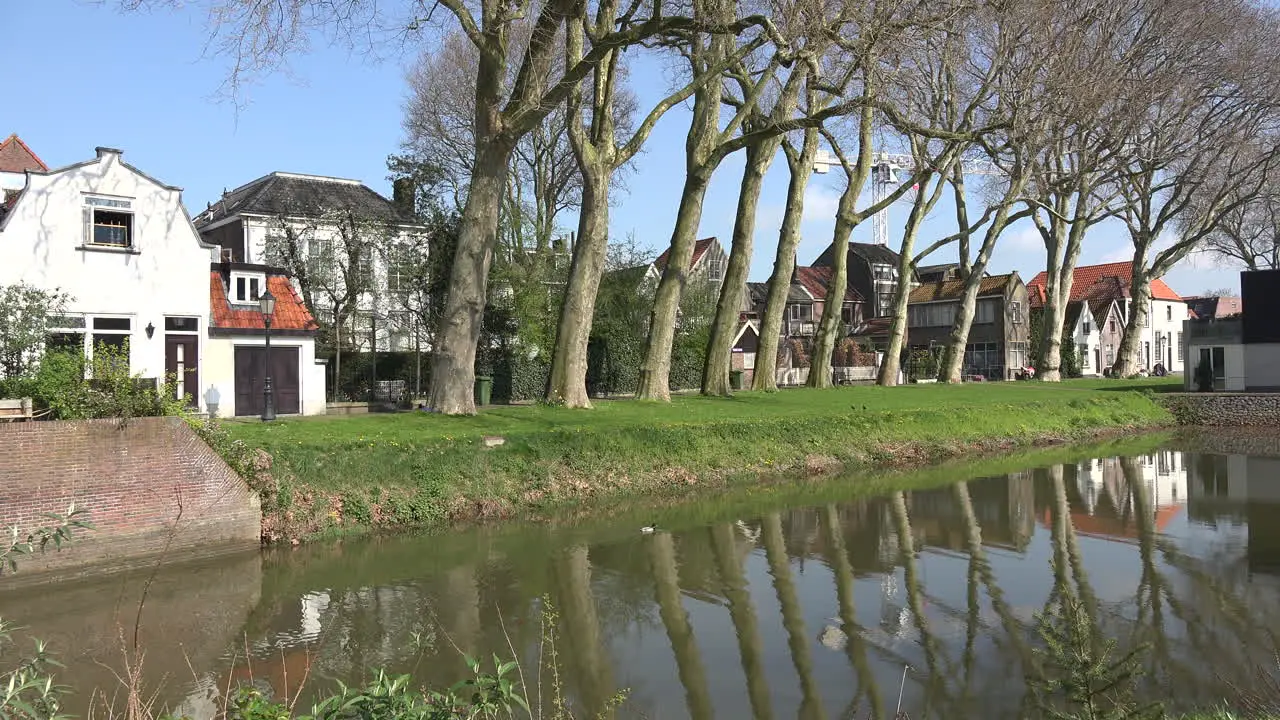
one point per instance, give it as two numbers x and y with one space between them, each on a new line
108 222
247 287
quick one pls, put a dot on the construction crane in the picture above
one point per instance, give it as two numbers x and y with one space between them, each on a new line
884 178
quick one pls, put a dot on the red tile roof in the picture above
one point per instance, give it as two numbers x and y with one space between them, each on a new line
699 249
16 157
817 279
291 313
1115 279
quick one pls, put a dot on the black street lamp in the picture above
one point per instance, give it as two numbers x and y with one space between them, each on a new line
267 305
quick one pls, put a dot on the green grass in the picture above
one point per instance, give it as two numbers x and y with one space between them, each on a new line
420 469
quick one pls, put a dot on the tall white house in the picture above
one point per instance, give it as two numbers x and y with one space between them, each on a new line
328 230
120 244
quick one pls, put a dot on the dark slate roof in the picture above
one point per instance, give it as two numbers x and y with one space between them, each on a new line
870 252
301 195
1074 310
1214 307
937 273
758 293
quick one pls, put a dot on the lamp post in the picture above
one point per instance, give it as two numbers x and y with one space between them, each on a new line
267 305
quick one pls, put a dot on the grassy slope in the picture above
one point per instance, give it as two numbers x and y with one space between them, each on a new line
438 467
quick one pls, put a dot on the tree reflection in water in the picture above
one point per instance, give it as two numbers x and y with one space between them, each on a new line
1172 550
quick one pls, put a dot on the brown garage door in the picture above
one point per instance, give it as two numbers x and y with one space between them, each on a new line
284 380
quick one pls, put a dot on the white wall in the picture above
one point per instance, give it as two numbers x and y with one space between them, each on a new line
1166 318
167 273
1091 342
220 355
12 181
1233 354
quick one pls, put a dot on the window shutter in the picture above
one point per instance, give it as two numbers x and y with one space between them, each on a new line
88 224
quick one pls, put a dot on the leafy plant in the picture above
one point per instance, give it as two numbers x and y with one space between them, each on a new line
1077 678
25 316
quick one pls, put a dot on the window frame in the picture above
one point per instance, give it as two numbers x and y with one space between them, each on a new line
93 203
234 295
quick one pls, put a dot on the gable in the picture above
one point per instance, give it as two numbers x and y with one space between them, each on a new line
16 157
1111 280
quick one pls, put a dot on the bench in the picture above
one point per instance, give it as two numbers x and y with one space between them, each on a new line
16 410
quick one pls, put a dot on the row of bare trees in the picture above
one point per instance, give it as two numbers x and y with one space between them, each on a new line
1158 113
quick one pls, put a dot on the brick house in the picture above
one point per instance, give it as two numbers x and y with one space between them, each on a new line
998 337
873 275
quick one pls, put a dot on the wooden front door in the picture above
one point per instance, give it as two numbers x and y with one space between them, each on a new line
182 364
284 380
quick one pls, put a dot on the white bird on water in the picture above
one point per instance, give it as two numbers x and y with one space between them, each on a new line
649 529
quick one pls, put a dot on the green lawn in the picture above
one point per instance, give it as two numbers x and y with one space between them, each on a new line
421 468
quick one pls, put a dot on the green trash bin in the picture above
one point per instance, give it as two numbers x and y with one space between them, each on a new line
735 379
484 389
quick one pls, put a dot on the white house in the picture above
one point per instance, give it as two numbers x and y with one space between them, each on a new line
121 245
330 226
1161 338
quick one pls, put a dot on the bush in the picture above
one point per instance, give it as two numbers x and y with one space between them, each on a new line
61 387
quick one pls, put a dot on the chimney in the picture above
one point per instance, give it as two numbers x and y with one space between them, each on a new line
104 151
402 197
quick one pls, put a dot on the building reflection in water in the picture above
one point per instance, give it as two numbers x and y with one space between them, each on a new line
810 611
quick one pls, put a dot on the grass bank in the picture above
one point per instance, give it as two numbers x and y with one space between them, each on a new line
420 469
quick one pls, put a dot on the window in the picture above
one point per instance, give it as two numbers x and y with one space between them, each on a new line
1015 312
111 334
228 255
715 270
399 273
1168 313
931 315
801 312
320 260
985 313
849 314
1179 346
108 222
246 288
1111 325
1111 354
180 324
1084 356
1087 326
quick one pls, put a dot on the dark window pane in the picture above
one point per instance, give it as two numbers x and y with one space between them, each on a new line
253 290
65 342
1219 363
112 228
111 324
66 321
180 324
240 293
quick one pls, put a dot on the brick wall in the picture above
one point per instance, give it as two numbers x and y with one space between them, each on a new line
147 483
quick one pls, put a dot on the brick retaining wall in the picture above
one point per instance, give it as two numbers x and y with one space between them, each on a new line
1224 409
147 483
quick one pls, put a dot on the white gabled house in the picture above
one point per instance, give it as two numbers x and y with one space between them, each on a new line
121 245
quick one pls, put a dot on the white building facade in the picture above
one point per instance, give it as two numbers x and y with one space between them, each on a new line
121 245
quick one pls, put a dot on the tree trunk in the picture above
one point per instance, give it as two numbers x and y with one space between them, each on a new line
775 550
952 365
453 372
655 373
662 555
337 354
784 265
888 375
743 614
1063 244
715 370
1129 358
831 327
568 380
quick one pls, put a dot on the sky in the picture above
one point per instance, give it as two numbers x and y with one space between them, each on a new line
84 74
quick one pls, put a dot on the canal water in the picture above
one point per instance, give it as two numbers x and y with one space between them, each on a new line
742 607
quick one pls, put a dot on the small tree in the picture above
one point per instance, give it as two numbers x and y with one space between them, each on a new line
25 315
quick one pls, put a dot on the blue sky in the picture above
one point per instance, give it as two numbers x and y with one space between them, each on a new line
84 75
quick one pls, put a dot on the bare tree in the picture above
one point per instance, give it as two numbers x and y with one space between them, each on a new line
1204 148
759 156
331 256
508 106
599 154
1248 234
